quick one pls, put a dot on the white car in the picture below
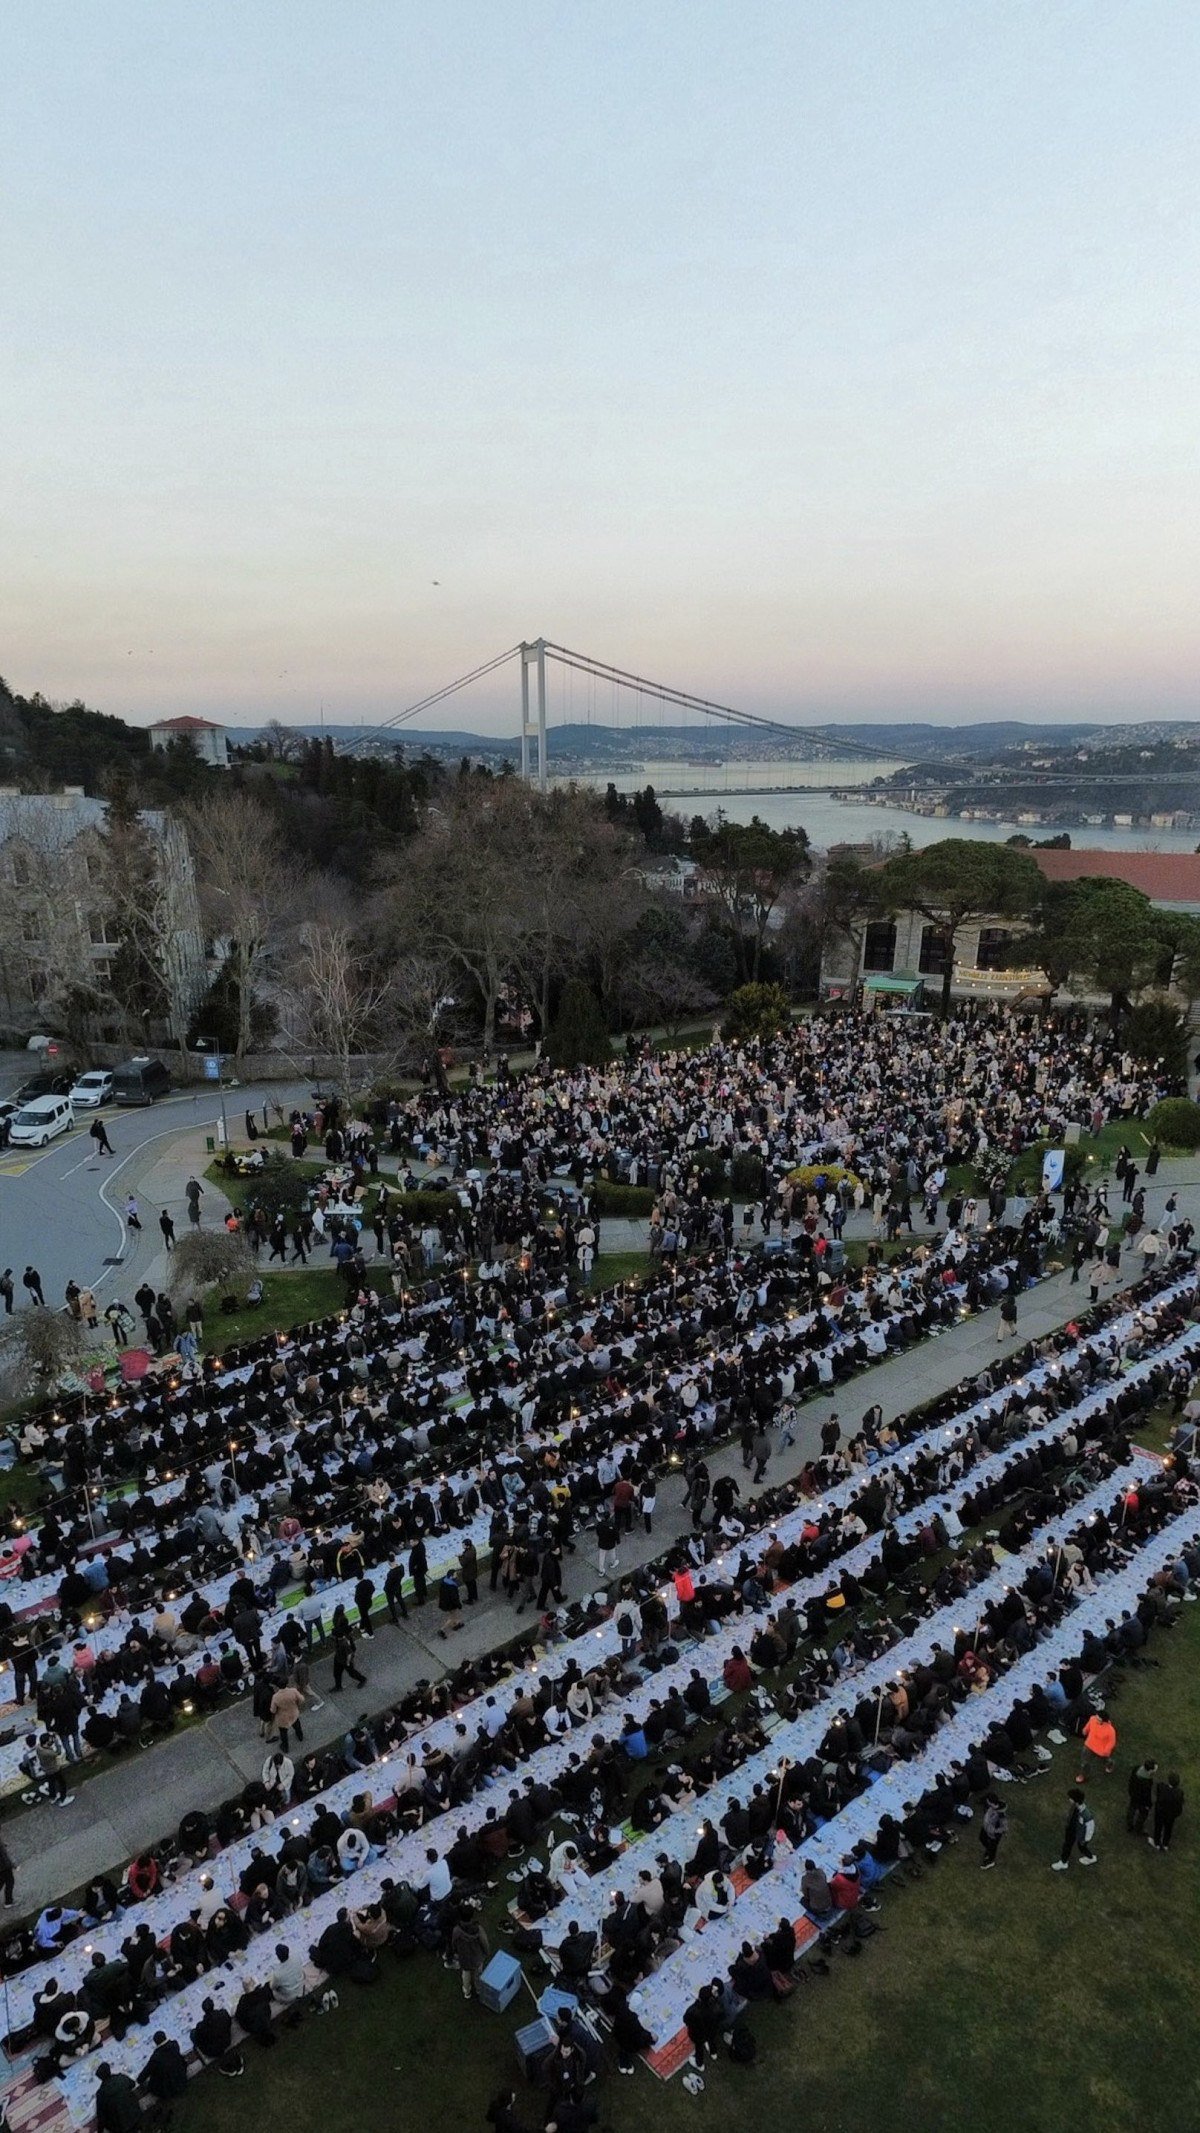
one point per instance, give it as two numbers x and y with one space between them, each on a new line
94 1087
41 1121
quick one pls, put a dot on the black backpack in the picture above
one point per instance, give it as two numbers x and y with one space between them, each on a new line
743 2049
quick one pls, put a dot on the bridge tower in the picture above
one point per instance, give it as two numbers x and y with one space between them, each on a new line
534 655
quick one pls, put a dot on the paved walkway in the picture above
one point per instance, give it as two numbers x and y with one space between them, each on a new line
142 1799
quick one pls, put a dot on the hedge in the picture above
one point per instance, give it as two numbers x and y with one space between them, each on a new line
1175 1122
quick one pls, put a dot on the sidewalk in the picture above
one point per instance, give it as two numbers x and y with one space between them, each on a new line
142 1800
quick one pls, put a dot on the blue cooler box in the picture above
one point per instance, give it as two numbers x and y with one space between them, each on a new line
555 2002
500 1982
533 2042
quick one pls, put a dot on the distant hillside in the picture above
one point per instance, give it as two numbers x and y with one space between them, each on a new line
901 740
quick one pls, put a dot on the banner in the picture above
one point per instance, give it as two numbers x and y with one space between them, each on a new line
1052 1169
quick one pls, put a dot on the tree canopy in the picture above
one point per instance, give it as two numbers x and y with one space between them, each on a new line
958 879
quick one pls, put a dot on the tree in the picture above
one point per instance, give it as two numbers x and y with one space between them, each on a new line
579 894
1104 936
249 889
847 898
204 1257
462 889
579 1035
144 895
747 867
1155 1030
755 1011
959 879
36 1349
342 997
282 743
660 988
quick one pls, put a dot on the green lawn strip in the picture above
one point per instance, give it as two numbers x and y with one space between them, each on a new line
290 1298
610 1268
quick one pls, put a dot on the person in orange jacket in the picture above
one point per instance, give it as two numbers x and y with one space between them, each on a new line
1099 1744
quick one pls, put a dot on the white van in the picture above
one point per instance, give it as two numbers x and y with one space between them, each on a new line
41 1121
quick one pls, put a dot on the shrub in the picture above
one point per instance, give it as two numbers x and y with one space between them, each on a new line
1176 1122
1155 1029
579 1035
755 1011
832 1173
747 1176
623 1199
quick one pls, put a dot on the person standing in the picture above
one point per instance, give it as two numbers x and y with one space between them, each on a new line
1141 1796
393 1593
132 1218
469 1951
344 1648
194 1192
993 1830
98 1132
468 1571
31 1281
168 1230
364 1600
286 1705
6 1290
1099 1744
418 1570
1168 1806
1080 1830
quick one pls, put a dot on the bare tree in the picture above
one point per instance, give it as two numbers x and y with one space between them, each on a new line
461 889
282 742
658 988
250 889
343 998
37 1348
204 1257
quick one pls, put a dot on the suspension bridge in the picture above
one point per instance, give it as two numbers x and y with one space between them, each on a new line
536 659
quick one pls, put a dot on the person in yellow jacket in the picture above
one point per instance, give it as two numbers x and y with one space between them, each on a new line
1099 1745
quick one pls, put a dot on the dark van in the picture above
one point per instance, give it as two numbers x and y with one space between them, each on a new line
139 1081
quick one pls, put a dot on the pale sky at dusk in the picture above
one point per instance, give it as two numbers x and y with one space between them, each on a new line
834 360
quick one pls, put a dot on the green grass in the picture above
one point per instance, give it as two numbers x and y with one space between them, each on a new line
608 1268
289 1299
1023 1999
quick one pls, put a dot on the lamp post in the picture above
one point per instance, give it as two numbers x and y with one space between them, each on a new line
212 1072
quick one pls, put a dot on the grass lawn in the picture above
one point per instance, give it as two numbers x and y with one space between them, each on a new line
608 1268
1023 2000
289 1299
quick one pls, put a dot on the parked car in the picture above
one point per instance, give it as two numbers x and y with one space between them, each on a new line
94 1087
55 1084
41 1121
139 1081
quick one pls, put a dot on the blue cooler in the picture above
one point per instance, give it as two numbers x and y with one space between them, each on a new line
533 2043
500 1982
554 2002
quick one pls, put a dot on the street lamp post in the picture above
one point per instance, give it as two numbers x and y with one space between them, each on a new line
212 1072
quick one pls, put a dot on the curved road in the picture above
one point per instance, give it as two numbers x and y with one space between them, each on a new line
62 1207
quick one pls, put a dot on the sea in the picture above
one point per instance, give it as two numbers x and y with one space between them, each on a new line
829 821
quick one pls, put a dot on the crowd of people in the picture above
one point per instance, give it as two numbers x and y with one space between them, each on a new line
476 1420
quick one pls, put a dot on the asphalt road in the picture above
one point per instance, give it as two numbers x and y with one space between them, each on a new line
62 1207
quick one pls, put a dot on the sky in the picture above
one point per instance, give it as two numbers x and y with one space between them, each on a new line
831 360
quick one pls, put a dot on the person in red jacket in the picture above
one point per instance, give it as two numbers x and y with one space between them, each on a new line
143 1876
736 1672
845 1887
623 1498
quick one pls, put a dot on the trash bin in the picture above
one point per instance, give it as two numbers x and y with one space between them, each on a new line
210 1144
